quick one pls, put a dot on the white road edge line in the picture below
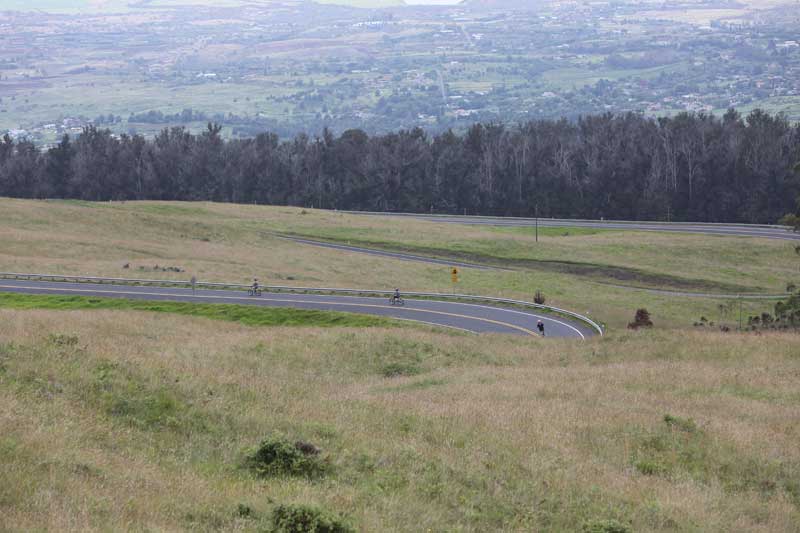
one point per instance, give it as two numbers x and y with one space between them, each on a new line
570 326
503 309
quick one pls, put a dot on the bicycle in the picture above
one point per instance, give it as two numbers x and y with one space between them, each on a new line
254 292
396 300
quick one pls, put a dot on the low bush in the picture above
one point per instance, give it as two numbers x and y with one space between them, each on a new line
60 339
397 369
684 424
307 519
649 467
244 511
277 456
641 320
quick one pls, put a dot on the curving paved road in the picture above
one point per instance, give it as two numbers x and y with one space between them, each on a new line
730 230
467 317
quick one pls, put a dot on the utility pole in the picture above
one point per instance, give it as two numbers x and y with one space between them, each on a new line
536 211
740 312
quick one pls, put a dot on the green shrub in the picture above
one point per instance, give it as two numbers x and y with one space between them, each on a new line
244 511
62 339
5 353
605 526
684 424
277 456
792 488
649 467
641 320
307 519
393 370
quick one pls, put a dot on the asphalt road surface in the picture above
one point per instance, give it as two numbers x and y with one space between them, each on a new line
467 317
730 230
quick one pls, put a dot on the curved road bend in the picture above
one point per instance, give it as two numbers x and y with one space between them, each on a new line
466 317
730 230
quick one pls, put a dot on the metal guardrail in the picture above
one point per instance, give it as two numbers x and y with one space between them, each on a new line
283 288
571 220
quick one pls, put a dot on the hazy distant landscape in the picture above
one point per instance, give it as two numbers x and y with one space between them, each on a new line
290 66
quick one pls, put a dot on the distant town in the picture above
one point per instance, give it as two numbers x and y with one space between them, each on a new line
293 67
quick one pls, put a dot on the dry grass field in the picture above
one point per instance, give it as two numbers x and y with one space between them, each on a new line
118 419
130 421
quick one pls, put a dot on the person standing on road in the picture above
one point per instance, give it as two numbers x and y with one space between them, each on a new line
540 327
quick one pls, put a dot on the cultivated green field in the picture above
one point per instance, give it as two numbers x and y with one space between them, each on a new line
788 105
137 416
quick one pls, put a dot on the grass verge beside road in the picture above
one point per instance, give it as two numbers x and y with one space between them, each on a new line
243 314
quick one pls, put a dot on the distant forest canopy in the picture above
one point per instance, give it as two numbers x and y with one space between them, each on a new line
692 167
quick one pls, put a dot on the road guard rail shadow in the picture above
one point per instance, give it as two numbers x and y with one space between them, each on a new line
300 290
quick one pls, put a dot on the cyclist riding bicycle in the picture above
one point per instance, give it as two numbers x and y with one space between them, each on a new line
540 326
396 297
255 284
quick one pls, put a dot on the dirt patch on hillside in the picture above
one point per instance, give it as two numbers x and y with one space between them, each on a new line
597 272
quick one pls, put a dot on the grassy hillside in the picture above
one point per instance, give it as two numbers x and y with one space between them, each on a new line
160 416
123 420
586 270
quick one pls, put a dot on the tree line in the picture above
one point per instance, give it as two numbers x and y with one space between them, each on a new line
694 167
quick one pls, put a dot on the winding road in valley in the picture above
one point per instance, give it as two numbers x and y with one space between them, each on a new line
461 316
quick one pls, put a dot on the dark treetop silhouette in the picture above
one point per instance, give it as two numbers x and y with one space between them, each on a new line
692 167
